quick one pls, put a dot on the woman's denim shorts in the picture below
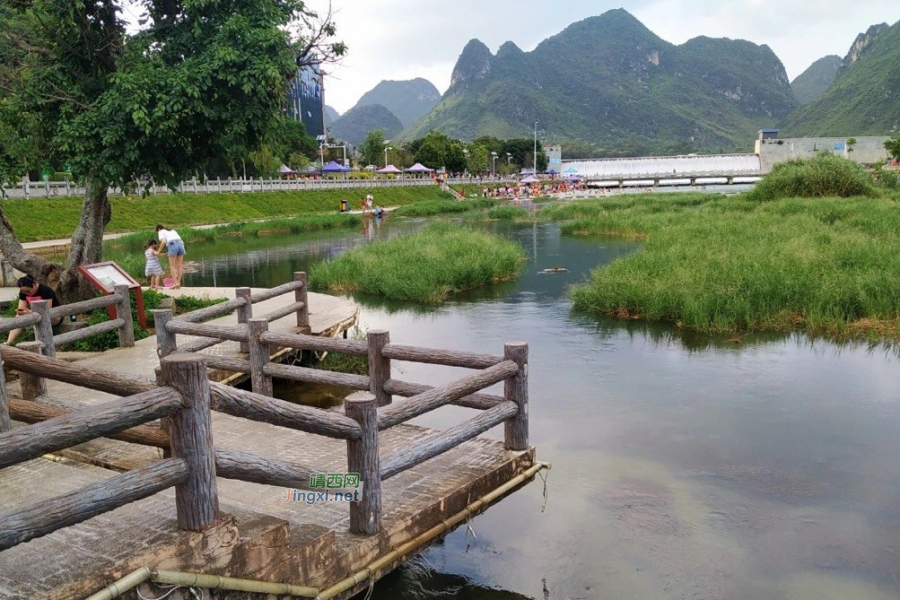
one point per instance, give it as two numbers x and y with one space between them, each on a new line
175 248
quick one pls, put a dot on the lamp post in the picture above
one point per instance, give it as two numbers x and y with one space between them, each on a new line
466 154
494 163
385 155
508 159
535 148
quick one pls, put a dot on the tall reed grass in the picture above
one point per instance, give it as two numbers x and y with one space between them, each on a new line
825 175
428 266
713 264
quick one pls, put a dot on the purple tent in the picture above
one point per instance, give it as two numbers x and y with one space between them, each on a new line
573 179
333 167
551 172
530 179
419 168
391 169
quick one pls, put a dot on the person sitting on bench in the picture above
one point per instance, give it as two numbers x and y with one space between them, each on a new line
29 290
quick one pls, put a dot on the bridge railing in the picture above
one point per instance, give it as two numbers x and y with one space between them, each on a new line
365 414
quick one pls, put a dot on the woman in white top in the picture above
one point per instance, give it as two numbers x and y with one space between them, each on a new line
172 244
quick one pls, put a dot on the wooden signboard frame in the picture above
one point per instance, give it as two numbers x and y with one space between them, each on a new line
106 275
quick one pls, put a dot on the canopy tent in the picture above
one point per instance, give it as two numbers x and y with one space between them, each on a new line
571 171
311 170
551 172
333 167
389 169
530 179
526 172
286 170
419 168
573 179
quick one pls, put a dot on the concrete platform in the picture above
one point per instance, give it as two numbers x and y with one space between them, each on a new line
261 537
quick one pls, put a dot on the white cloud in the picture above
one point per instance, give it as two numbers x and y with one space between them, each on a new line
404 39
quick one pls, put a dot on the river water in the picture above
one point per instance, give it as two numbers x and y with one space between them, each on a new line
683 466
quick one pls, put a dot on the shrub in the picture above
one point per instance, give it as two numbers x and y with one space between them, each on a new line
824 175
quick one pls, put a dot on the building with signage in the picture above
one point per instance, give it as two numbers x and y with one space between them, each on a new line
554 158
306 98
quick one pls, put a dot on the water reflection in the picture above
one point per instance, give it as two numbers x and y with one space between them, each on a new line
685 466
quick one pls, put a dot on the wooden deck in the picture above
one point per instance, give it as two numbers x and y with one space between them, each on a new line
260 537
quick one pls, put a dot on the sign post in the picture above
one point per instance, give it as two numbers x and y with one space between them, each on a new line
106 276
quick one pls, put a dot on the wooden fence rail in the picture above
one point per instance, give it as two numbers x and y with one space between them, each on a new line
191 470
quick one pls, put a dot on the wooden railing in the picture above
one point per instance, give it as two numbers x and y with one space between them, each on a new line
185 400
185 397
365 414
46 343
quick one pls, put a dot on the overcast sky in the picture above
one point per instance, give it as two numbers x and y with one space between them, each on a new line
404 39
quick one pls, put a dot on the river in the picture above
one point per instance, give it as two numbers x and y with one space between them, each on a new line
683 466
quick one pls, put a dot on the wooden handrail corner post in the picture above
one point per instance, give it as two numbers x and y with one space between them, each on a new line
379 365
43 329
363 458
197 499
516 390
165 341
5 422
259 357
302 295
123 311
244 313
33 386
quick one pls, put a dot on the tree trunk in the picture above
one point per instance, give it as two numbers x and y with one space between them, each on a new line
86 248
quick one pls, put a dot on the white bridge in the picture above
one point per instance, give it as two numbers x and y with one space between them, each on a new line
666 170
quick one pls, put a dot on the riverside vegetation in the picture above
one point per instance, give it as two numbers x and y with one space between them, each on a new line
133 213
722 265
427 266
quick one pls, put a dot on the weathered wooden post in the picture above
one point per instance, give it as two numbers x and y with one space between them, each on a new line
516 390
301 295
244 313
123 311
362 458
32 385
5 423
259 357
379 365
197 499
43 329
165 341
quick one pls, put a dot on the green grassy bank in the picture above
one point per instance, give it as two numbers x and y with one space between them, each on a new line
42 219
714 264
428 266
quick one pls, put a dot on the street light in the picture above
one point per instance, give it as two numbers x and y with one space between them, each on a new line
535 148
508 158
494 163
385 155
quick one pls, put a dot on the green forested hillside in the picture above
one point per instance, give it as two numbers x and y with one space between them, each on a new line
610 84
813 82
360 120
865 97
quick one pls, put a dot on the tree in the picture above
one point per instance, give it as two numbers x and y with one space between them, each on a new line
372 148
477 158
893 146
199 80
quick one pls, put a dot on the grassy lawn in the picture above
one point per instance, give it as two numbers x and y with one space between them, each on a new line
713 264
41 219
428 266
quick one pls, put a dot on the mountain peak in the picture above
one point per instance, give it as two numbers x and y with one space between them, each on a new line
407 100
475 62
862 43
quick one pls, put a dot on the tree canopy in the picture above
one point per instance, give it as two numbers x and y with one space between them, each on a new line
199 80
